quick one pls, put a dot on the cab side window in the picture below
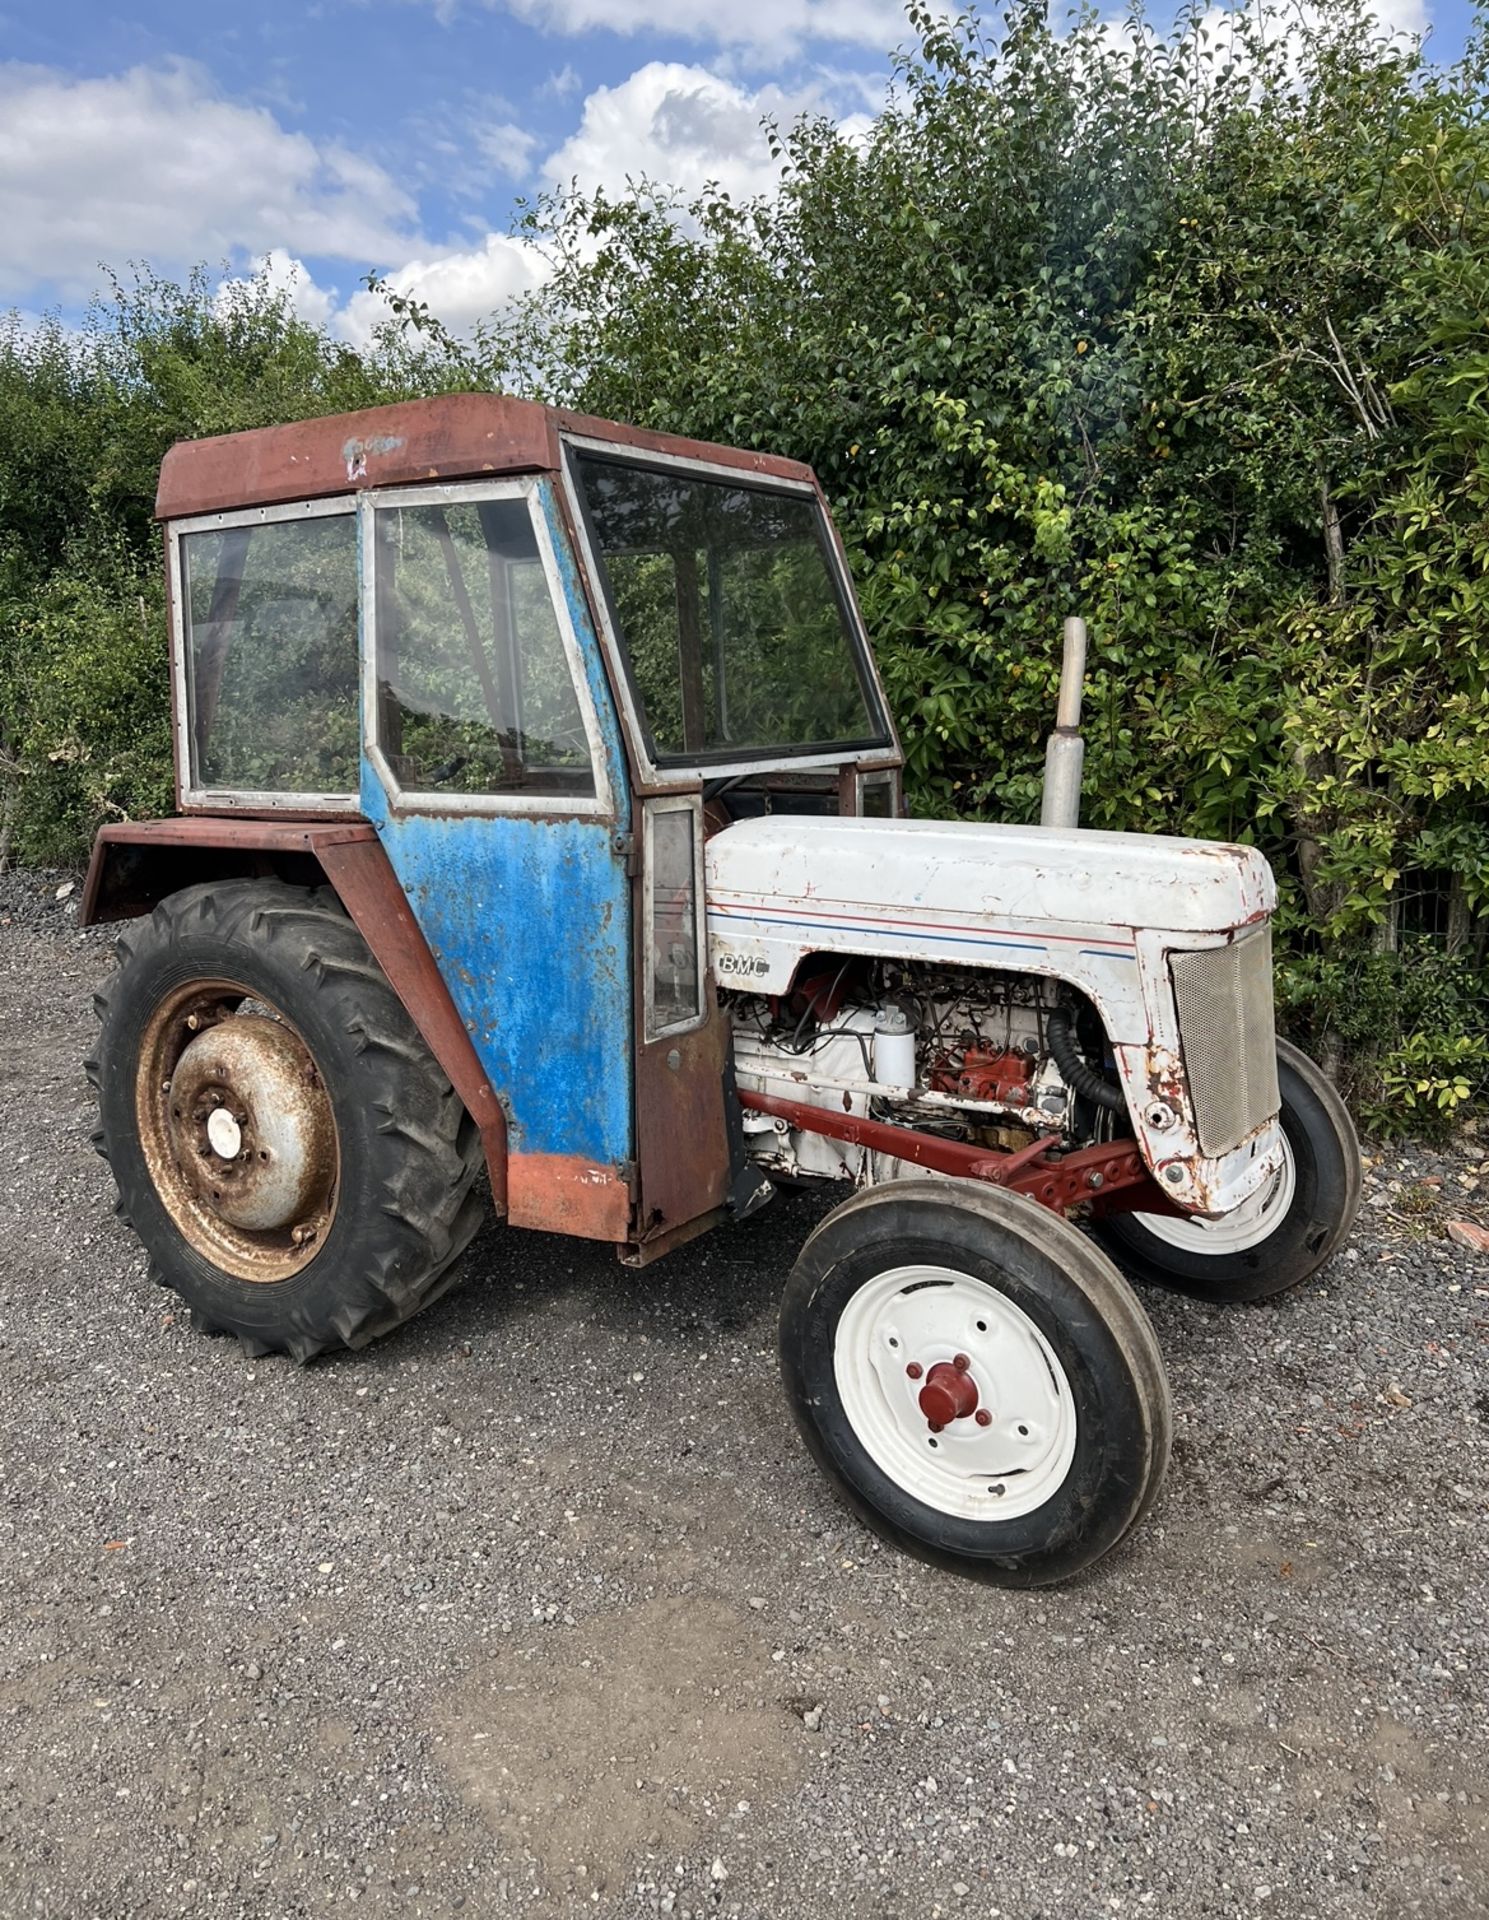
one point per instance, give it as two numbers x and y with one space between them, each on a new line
475 693
270 617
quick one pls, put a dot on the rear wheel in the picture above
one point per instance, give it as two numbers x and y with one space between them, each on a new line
977 1380
297 1165
1286 1231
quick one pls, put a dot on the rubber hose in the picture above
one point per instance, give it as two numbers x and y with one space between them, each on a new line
1078 1076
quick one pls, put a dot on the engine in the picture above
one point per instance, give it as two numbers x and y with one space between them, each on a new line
968 1054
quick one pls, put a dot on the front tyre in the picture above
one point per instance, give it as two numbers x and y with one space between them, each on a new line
1285 1232
299 1168
976 1379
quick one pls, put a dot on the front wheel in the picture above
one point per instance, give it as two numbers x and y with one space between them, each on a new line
977 1380
1289 1227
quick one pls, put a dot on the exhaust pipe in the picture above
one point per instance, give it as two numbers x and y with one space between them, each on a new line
1066 753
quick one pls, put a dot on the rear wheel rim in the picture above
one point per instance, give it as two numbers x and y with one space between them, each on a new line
917 1344
1247 1226
237 1130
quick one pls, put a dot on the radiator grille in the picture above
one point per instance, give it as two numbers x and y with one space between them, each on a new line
1224 1000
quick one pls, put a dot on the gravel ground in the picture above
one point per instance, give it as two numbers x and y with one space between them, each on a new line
539 1607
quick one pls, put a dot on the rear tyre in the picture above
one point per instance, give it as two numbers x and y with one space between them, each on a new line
1285 1233
976 1379
300 1170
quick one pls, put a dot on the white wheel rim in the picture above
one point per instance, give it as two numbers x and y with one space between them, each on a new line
927 1317
1255 1220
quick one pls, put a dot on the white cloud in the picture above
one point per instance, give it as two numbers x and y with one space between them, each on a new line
508 147
763 30
558 86
680 126
291 277
460 287
155 164
1216 29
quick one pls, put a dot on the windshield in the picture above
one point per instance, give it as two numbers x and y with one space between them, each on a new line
727 607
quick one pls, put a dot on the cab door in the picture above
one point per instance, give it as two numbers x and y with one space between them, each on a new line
690 1166
493 771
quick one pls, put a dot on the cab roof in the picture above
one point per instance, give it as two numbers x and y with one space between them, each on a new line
454 436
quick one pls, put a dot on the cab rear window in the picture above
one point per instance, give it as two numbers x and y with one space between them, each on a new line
270 612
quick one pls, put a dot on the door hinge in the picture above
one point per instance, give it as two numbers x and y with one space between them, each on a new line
624 845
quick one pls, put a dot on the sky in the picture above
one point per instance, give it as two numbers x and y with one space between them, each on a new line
335 137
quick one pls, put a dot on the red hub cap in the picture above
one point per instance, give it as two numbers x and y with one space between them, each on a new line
949 1393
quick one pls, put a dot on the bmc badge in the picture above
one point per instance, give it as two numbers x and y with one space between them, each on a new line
741 966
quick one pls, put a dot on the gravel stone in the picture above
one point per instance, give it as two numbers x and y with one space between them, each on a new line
467 1622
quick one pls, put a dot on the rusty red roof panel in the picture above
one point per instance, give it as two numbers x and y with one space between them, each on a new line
453 436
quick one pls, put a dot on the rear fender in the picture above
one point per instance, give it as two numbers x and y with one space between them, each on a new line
137 864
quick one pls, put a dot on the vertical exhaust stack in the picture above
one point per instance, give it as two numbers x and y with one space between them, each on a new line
1065 755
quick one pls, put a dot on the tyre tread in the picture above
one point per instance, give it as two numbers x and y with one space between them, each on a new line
430 1151
1055 1241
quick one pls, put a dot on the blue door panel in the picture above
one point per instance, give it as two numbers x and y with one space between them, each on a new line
530 921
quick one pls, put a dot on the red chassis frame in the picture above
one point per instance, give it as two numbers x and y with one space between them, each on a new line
1108 1178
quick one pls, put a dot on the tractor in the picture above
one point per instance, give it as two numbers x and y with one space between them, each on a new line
541 849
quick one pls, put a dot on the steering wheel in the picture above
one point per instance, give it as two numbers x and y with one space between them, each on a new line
446 770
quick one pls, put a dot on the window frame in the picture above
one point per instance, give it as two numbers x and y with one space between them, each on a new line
528 488
692 805
192 792
673 772
863 779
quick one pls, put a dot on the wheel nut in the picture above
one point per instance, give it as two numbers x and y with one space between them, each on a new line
960 1362
983 1417
915 1369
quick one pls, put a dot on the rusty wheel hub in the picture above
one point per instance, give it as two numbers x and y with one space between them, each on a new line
238 1131
250 1126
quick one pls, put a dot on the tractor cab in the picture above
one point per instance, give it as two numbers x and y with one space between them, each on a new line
536 657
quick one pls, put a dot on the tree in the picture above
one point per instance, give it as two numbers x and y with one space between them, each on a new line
1183 331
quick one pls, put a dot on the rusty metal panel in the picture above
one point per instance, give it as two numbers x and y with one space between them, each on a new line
565 1193
682 1143
302 836
642 440
452 436
102 900
682 1130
